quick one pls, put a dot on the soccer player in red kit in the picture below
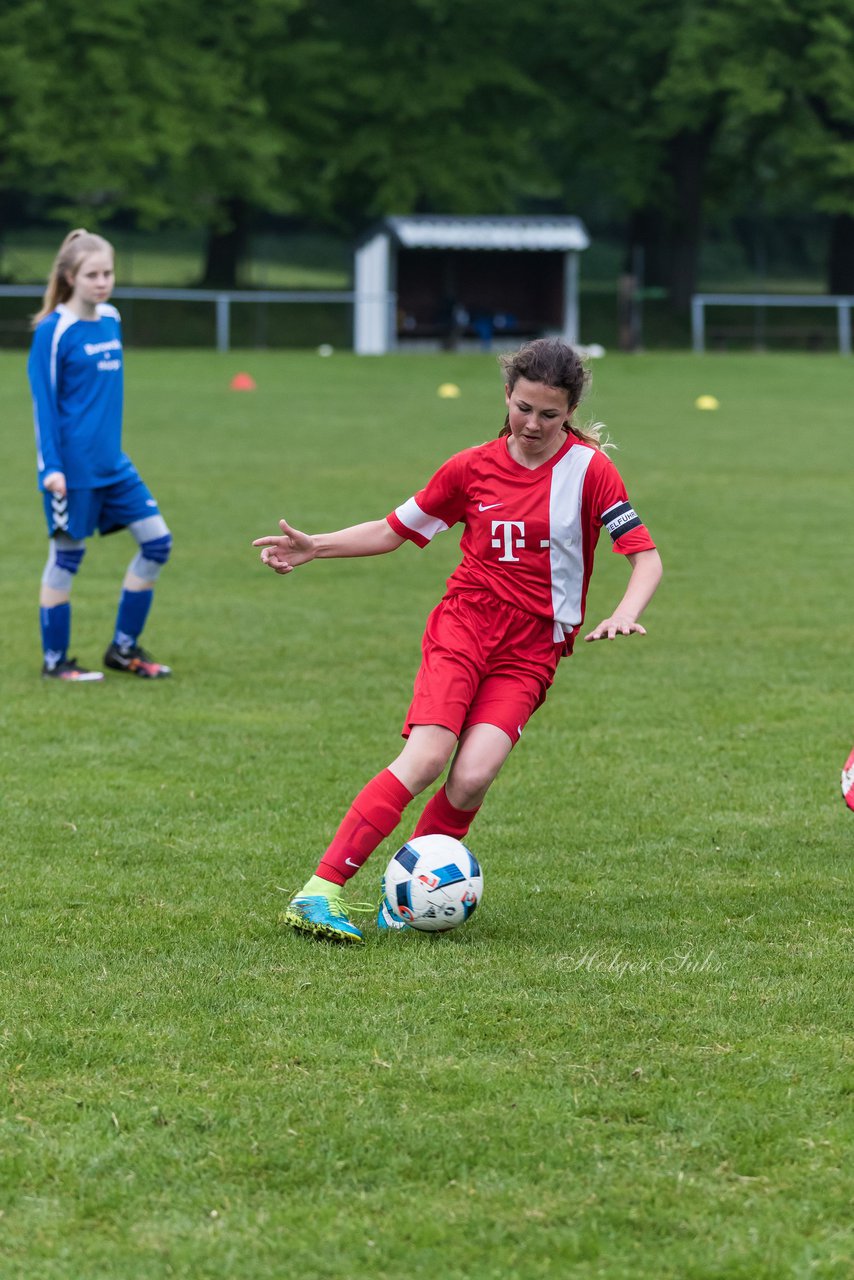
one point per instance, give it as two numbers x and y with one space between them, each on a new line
532 504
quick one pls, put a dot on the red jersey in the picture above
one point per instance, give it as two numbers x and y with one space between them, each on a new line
529 535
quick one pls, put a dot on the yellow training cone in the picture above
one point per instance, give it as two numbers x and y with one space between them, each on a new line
448 391
706 402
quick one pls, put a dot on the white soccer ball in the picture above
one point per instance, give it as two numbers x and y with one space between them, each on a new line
433 883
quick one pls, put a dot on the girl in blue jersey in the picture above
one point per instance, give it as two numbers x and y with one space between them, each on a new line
87 481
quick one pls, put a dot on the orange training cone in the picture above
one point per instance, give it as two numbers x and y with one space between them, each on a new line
242 382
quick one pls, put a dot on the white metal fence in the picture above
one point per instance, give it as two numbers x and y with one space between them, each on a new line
842 303
221 300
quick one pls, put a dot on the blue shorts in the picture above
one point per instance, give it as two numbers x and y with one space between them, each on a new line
108 509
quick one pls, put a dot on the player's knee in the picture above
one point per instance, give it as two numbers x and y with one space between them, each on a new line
424 756
63 563
69 559
157 550
431 764
470 780
152 556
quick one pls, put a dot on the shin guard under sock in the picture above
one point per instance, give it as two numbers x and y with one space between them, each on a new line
441 818
131 616
55 624
372 816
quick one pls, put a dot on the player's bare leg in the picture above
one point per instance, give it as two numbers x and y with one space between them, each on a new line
425 754
478 761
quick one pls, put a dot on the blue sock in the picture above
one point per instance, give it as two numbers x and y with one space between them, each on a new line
55 623
130 619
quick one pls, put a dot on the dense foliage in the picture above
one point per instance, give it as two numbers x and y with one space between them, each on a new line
657 113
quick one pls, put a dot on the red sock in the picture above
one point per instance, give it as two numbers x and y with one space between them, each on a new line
372 816
440 818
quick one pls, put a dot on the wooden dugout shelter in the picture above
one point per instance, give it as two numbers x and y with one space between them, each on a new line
446 279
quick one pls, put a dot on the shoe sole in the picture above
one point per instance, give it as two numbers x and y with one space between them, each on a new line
326 931
90 677
142 675
383 926
387 922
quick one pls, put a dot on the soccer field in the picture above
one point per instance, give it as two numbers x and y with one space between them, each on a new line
632 1062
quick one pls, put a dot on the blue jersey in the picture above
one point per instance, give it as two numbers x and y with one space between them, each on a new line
75 371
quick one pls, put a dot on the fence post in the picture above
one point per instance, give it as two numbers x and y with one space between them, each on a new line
698 325
843 312
223 322
570 297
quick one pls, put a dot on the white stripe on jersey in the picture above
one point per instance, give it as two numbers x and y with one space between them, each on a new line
566 550
39 454
66 320
410 514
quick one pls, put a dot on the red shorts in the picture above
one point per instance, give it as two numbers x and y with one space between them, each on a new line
484 662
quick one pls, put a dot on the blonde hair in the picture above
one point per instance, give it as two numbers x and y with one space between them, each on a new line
555 364
76 246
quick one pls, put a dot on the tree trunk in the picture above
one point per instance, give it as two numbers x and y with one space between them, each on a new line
687 165
670 237
840 259
648 232
226 246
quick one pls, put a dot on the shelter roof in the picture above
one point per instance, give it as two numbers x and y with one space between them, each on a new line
447 231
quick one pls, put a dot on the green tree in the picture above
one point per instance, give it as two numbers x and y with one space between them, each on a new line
250 99
203 111
708 106
441 113
173 111
640 106
23 88
820 92
86 117
786 70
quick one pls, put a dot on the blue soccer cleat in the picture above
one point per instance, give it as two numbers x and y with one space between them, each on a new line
388 919
323 917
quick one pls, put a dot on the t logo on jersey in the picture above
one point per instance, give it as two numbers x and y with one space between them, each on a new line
502 537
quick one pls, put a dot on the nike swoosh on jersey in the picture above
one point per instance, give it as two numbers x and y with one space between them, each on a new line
488 506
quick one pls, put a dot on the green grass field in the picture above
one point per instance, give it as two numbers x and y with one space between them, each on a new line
632 1062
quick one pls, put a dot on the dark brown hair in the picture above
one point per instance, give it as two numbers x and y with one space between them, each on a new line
554 363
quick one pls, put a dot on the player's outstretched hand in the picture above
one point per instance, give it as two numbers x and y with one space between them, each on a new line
615 626
287 551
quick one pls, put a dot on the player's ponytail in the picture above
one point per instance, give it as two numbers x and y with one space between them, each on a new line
60 283
555 364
